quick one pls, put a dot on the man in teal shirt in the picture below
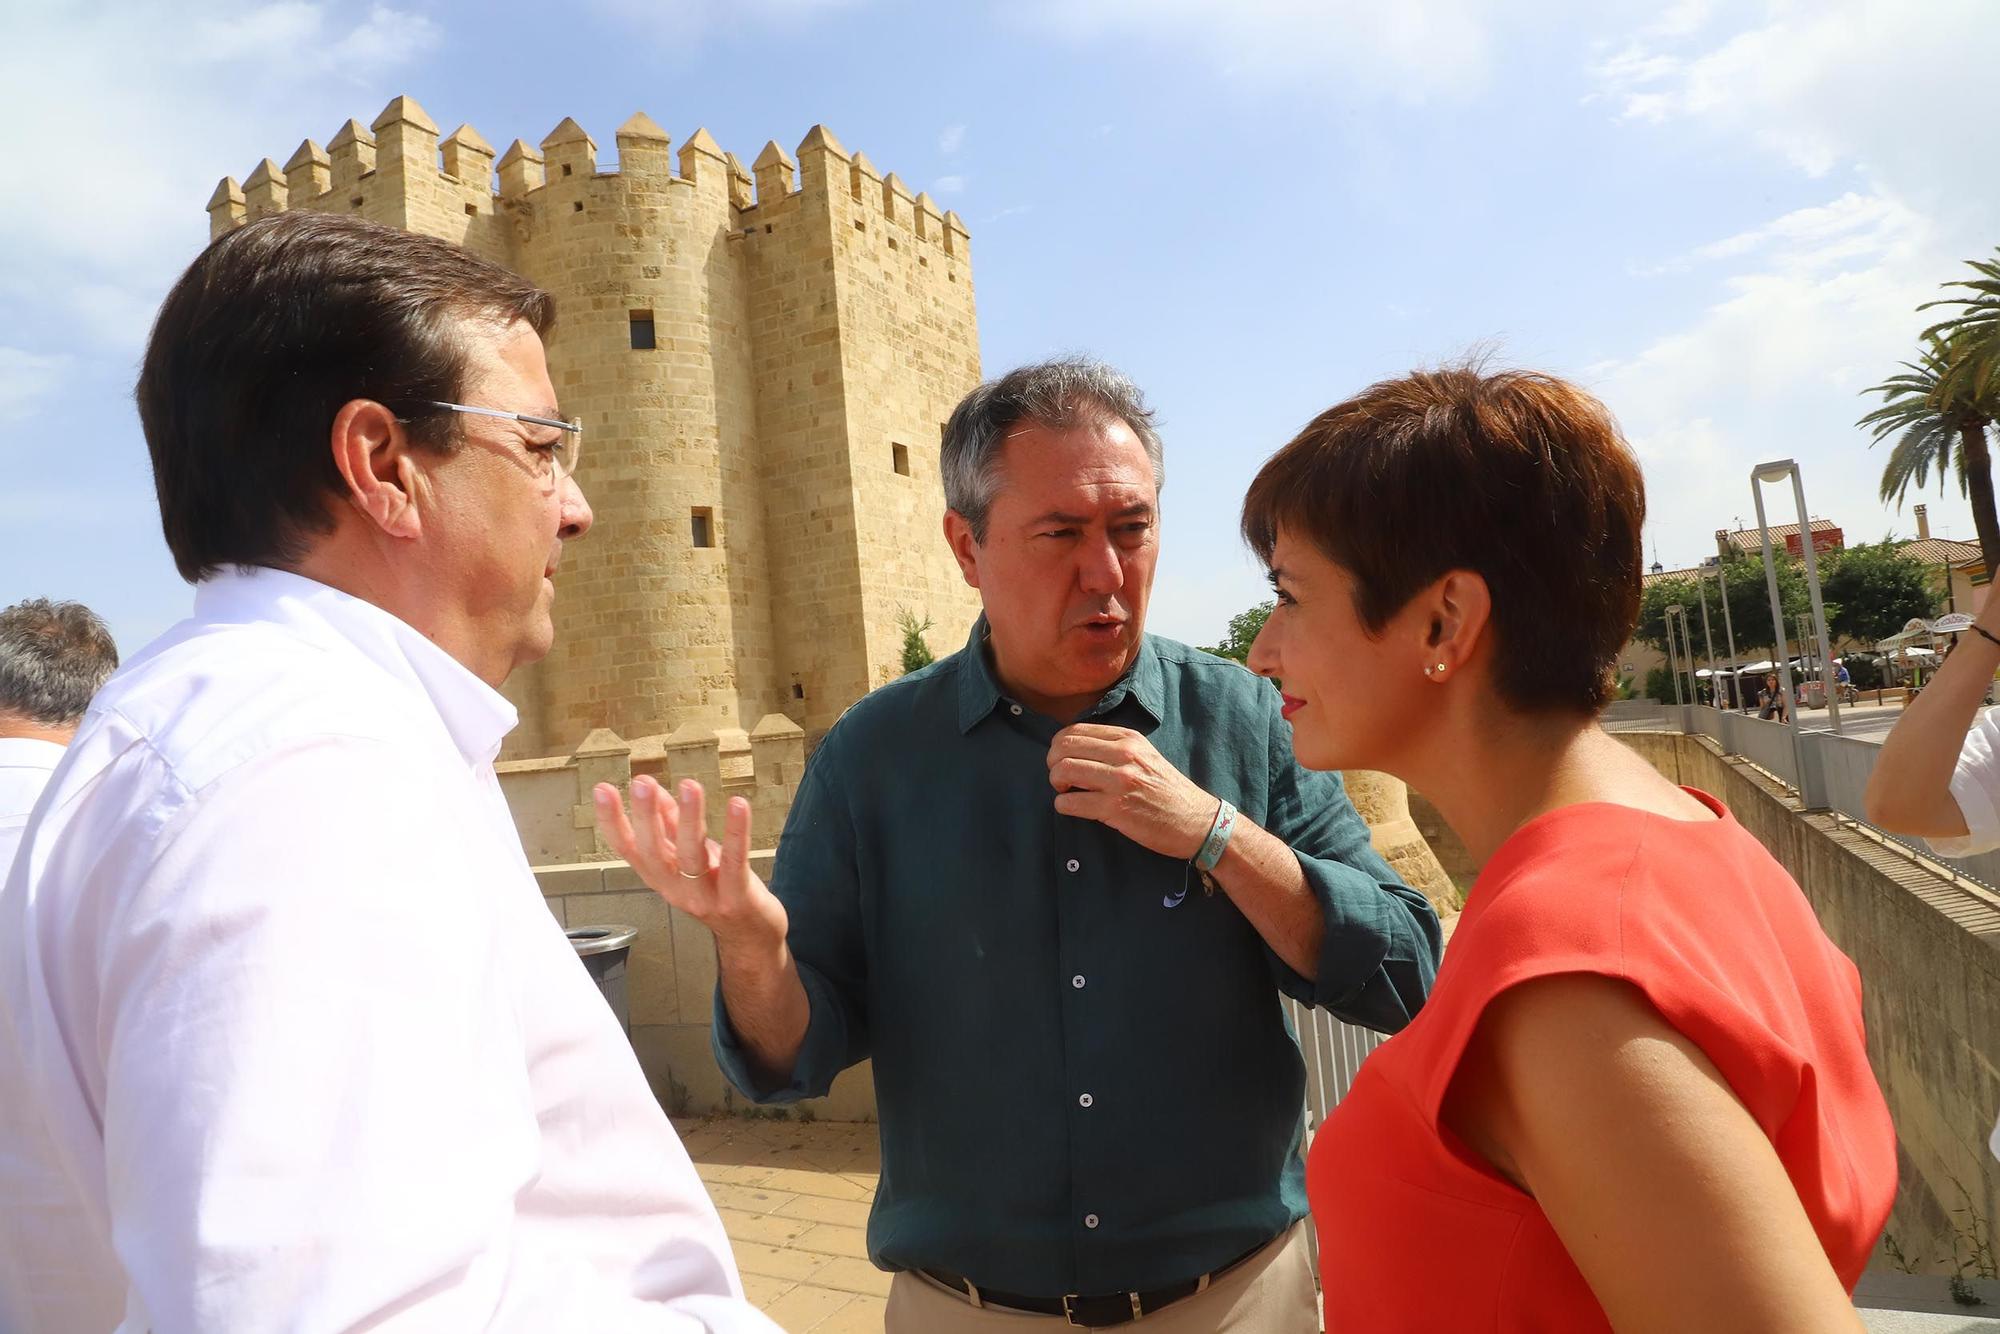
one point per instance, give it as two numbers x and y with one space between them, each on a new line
1053 885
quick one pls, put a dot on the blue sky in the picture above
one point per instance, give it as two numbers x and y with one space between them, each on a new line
1720 218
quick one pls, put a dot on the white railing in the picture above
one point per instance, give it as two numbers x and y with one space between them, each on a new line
1835 771
1333 1053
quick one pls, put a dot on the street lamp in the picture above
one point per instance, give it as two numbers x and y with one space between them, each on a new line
1735 684
1673 663
1708 639
1777 471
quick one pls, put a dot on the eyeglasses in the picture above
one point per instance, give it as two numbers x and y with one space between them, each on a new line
561 453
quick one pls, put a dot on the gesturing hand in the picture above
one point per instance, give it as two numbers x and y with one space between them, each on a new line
1114 776
666 843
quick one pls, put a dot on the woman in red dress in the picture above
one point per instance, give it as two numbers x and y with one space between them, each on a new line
1639 1096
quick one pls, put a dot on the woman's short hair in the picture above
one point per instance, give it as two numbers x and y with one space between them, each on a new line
1518 476
271 329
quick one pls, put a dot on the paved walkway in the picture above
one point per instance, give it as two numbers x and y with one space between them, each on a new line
794 1197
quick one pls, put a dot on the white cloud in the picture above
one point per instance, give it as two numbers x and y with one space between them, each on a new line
949 185
147 106
1410 51
1877 85
1819 303
680 25
951 140
26 380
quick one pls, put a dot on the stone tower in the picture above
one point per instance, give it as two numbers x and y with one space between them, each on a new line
763 360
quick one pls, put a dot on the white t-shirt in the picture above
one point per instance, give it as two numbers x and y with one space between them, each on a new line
25 767
1975 786
289 1038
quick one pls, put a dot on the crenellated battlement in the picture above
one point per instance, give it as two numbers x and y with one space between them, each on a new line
765 347
397 166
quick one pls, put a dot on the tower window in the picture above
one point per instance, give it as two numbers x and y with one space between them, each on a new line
565 168
642 330
798 691
472 210
704 528
901 458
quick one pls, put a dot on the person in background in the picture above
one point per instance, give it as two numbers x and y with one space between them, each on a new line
53 658
288 1037
1937 775
1639 1096
1053 884
1771 700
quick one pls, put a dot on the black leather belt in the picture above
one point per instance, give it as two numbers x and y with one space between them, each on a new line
1112 1308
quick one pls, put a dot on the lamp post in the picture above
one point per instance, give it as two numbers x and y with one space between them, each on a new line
1735 683
1777 471
1708 639
1673 662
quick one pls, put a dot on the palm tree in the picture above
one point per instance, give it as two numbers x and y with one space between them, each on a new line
1939 414
1975 330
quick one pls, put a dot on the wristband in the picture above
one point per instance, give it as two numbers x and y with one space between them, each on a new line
1212 847
1983 633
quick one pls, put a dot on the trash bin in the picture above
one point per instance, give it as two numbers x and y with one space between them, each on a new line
603 950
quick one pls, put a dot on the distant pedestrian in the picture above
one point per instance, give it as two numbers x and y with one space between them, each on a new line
1772 700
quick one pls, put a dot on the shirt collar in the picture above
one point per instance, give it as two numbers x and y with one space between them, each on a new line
1144 682
475 715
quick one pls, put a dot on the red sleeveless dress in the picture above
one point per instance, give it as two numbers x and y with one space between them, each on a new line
1417 1233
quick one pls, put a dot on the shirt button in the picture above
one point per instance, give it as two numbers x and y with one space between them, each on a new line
1077 981
1090 1220
1085 1100
1014 709
1074 864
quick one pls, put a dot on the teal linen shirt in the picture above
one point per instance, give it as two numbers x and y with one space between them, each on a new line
1085 1078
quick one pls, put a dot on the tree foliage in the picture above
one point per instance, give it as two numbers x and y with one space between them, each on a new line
1939 408
1749 606
1871 591
1243 628
916 653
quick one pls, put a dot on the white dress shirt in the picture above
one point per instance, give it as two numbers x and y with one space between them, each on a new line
289 1040
25 767
1975 786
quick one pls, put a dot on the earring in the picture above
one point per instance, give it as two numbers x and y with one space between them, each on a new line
1429 670
1440 669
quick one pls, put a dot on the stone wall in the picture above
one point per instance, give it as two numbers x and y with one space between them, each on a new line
1928 948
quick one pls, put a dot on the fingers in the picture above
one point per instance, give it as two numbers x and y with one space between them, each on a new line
611 820
1073 774
1115 746
652 831
691 845
1083 805
736 842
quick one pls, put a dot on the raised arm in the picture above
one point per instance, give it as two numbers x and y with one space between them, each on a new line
665 841
1909 791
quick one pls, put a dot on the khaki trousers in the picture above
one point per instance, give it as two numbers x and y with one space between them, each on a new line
1270 1293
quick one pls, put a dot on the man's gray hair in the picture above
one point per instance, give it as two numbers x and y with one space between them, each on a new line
53 658
1059 394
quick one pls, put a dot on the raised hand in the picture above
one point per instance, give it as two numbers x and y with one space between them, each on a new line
1116 777
667 843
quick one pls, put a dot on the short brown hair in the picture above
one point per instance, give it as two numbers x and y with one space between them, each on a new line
1517 476
271 329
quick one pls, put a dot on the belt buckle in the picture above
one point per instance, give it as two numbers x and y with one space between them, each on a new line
1069 1312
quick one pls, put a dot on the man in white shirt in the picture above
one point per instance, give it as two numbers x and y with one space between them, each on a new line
288 1037
53 657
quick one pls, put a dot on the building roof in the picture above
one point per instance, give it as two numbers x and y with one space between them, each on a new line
1648 579
1940 551
1749 539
